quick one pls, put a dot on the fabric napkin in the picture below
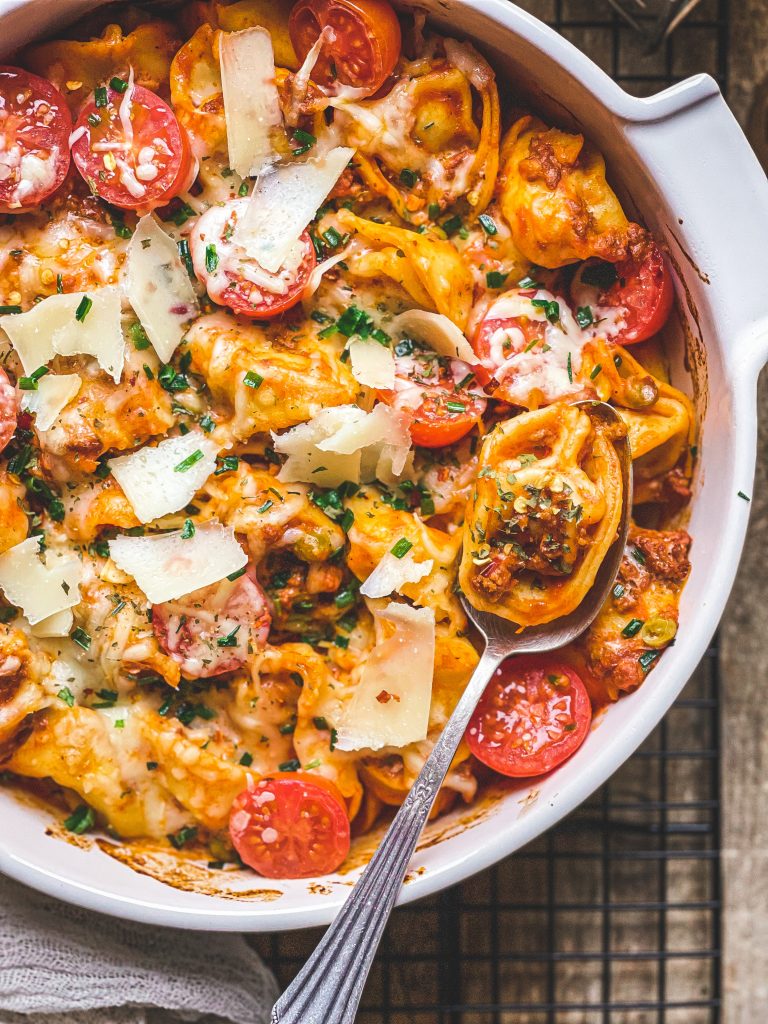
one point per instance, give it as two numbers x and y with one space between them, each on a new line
63 965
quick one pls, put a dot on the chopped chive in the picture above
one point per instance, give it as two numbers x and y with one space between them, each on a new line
246 760
306 141
230 640
344 599
488 224
332 237
495 279
59 284
151 766
347 520
632 628
236 575
569 367
81 638
243 190
93 120
465 382
741 494
433 211
207 424
647 659
83 308
118 84
596 372
80 820
584 316
289 766
30 383
138 337
189 462
618 590
527 282
188 530
100 96
228 464
186 834
409 177
67 696
401 547
10 309
186 256
211 258
452 406
452 225
266 506
253 380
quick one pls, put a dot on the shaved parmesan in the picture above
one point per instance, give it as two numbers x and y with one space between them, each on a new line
51 328
54 392
372 364
163 479
393 573
58 624
390 706
166 566
283 203
316 275
436 330
346 443
306 462
159 288
251 102
40 583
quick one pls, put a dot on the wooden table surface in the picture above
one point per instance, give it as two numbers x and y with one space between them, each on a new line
420 951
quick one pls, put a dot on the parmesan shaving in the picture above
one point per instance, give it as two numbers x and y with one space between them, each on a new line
436 330
163 479
58 624
54 392
316 275
159 288
345 443
390 706
372 364
51 328
40 583
166 566
393 573
283 203
251 102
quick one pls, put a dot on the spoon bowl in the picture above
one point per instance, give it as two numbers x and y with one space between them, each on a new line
328 988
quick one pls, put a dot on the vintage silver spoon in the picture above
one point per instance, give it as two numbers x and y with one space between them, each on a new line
328 988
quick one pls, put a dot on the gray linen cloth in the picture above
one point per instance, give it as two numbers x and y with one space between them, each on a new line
63 965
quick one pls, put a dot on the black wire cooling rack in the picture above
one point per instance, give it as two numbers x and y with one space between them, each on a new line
613 917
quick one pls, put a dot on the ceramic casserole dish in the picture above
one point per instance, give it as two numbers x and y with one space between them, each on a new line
681 164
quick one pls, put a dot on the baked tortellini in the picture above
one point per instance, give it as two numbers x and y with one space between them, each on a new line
295 350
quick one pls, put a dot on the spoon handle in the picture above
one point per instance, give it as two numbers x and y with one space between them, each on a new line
328 988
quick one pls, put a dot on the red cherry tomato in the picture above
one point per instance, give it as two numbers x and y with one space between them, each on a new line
436 390
292 826
212 630
35 125
642 288
9 410
362 42
130 148
531 331
534 714
234 279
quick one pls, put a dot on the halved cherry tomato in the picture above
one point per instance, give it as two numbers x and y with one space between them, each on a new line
233 278
362 44
642 288
534 714
214 629
35 125
437 391
130 148
294 825
530 331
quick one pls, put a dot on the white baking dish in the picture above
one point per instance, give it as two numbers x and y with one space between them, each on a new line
680 160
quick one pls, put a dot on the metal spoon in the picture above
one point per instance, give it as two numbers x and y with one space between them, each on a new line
328 988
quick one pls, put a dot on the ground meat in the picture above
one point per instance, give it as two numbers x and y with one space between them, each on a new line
665 551
494 579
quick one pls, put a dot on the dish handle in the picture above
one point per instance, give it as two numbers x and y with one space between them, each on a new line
689 140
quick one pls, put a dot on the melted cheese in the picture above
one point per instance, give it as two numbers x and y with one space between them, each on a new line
390 706
166 566
54 392
159 288
50 328
56 625
40 583
284 202
251 102
152 479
